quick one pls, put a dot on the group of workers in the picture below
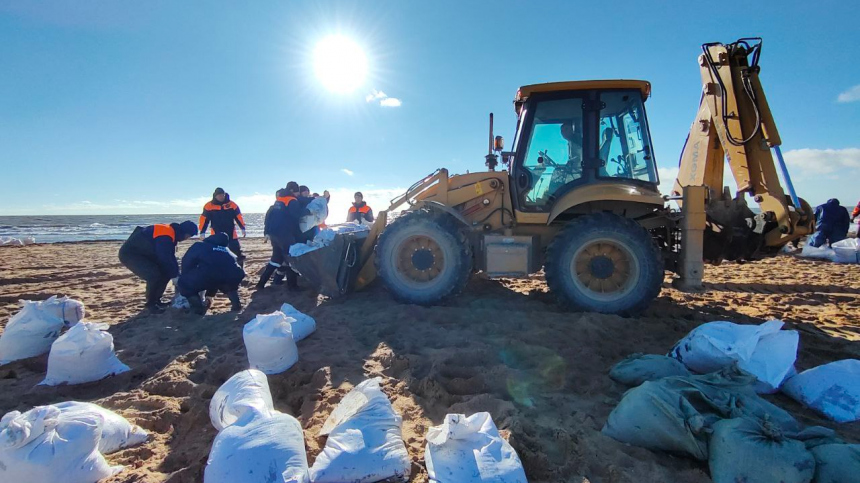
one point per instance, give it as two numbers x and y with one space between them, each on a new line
216 263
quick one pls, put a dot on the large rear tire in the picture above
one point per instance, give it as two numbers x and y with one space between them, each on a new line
424 257
604 263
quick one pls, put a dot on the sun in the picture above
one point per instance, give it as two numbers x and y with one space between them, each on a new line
340 64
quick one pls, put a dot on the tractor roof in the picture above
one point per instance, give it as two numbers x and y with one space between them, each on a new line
526 91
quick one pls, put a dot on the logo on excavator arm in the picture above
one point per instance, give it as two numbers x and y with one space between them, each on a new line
694 164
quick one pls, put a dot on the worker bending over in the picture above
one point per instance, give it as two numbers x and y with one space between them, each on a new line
281 227
221 214
150 253
210 266
831 223
359 211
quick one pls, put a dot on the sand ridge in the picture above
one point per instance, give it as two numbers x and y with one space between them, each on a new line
502 346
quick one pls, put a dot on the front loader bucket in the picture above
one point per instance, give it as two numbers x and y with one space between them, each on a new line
332 269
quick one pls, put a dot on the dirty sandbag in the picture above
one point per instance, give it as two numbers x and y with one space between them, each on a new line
45 446
638 368
675 414
318 209
83 354
470 450
821 253
270 344
846 251
365 442
301 324
259 449
756 451
763 350
29 333
836 463
831 389
116 433
246 392
70 310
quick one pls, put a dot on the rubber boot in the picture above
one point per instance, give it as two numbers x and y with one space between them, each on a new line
196 304
235 303
293 281
279 278
265 276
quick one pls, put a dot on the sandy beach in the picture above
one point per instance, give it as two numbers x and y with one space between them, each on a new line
502 346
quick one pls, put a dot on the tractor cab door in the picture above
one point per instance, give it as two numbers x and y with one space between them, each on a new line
574 138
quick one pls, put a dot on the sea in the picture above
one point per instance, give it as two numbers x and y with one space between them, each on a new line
73 228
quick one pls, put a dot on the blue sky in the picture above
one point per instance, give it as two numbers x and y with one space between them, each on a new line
145 107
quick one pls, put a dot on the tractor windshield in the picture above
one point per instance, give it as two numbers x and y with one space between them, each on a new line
625 148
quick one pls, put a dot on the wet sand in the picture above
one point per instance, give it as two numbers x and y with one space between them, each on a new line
502 346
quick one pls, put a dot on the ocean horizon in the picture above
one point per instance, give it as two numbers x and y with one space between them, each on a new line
74 228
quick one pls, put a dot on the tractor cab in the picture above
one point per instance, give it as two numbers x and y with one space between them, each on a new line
573 134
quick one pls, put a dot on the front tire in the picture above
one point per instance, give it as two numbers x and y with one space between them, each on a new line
424 257
604 263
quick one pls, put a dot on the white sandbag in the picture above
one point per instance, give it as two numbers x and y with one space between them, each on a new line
302 324
846 251
70 310
259 449
470 450
269 343
83 354
318 212
831 389
364 443
823 253
245 392
116 432
29 333
763 350
44 445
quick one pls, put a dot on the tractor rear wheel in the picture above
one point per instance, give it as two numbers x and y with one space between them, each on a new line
604 263
424 257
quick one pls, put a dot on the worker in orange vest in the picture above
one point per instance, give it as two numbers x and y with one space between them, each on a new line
359 211
150 253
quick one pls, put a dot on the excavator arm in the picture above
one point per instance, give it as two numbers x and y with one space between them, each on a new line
734 122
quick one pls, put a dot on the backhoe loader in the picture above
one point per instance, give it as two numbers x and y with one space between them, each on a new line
579 199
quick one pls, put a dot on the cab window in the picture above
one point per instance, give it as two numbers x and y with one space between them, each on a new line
554 153
625 148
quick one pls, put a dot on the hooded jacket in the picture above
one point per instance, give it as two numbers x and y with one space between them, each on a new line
359 211
221 215
158 242
283 217
831 217
209 264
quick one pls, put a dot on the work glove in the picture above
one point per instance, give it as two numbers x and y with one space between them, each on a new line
266 239
243 233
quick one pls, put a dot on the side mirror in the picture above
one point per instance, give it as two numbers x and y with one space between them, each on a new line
540 159
498 144
507 157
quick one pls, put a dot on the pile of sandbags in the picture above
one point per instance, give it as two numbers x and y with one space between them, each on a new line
846 251
765 351
365 443
83 354
470 450
676 414
325 237
8 241
255 443
32 330
63 442
821 253
831 389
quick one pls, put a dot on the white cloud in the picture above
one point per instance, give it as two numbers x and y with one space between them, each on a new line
667 179
390 102
347 172
851 95
823 161
383 99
